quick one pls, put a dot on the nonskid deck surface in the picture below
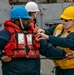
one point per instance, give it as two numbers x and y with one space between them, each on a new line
46 66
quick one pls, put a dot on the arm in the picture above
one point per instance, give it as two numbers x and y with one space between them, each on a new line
50 51
63 42
67 42
50 30
47 31
4 38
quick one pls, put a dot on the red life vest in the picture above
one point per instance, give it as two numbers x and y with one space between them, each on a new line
28 48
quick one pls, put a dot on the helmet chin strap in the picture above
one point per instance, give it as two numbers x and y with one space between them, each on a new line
21 23
70 24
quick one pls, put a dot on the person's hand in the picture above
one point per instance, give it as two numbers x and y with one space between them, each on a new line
37 28
5 58
41 31
41 36
69 55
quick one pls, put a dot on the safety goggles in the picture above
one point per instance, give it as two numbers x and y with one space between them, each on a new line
65 20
